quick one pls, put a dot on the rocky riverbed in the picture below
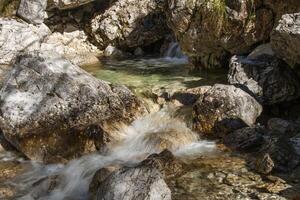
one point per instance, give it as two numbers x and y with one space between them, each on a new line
149 99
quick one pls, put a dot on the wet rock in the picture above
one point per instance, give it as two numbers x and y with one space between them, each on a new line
189 96
16 37
142 182
224 108
280 126
264 164
72 45
130 24
32 11
48 104
113 52
263 49
245 139
208 31
67 4
267 78
138 51
285 38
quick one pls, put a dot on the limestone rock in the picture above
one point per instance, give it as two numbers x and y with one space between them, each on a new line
16 37
72 45
208 31
138 183
224 108
129 24
48 106
32 11
266 77
285 38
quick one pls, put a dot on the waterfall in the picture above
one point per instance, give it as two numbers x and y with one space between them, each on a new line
145 136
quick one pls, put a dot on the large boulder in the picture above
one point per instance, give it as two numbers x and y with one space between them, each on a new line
281 7
224 108
285 38
52 110
128 24
268 78
32 11
16 37
72 45
209 30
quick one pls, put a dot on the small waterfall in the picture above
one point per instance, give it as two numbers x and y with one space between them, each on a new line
147 135
174 53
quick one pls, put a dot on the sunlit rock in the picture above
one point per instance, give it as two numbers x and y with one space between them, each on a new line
224 108
285 38
32 11
16 37
49 104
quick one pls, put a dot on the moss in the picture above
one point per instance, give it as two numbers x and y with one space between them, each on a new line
218 14
8 7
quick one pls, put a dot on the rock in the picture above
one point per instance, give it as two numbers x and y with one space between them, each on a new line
264 164
267 78
67 4
49 104
16 37
129 24
8 8
245 139
139 183
285 38
189 96
280 125
224 108
138 51
209 31
113 52
281 7
72 45
32 11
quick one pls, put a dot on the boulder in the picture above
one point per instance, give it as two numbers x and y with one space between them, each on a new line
32 11
245 139
281 7
145 181
138 183
224 108
128 24
266 77
285 38
16 37
72 45
51 110
67 4
208 31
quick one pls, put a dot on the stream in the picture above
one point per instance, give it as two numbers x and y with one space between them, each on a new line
212 174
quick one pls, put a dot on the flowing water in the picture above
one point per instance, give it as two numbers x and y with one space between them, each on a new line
145 136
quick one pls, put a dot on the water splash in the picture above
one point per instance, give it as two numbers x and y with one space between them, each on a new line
175 54
150 134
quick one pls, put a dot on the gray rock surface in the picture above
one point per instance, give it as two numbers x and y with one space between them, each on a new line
16 37
32 11
142 183
285 38
53 110
266 77
210 30
224 108
130 24
72 45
